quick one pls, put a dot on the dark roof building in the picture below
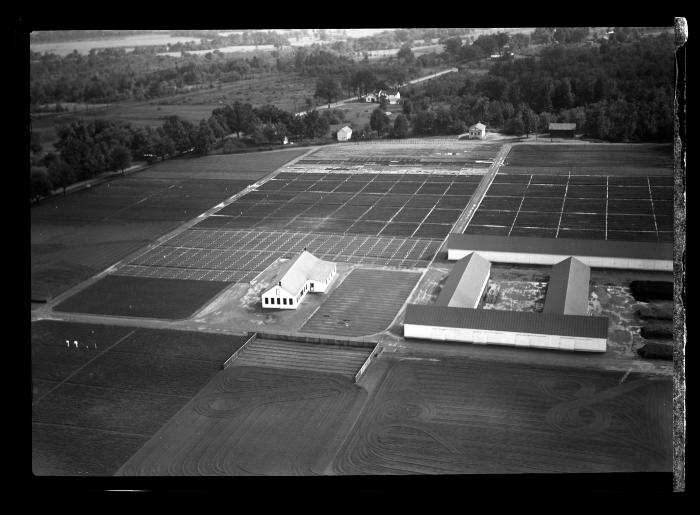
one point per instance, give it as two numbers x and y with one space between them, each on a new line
567 291
465 284
562 130
640 255
497 320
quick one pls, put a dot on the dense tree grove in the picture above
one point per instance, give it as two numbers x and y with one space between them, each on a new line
617 91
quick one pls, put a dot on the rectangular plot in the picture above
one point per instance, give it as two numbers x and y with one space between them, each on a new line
461 189
272 185
663 207
617 180
662 192
583 180
542 204
576 205
350 212
660 180
432 189
380 213
488 217
309 197
506 190
594 192
512 178
497 230
452 202
324 186
435 231
363 177
377 187
370 228
534 232
362 199
298 186
411 215
666 236
469 179
406 187
423 201
440 177
630 206
399 229
350 187
664 223
355 307
581 234
583 221
393 200
530 219
630 223
549 179
500 203
632 235
443 216
626 192
542 190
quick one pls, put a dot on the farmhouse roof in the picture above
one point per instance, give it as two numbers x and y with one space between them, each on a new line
345 130
294 274
567 291
507 321
464 284
561 246
479 126
562 126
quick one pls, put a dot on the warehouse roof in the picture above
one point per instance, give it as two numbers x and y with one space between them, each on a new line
294 274
562 126
567 291
508 321
561 246
465 282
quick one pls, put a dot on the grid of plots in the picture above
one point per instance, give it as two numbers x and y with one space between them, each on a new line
209 255
408 205
597 207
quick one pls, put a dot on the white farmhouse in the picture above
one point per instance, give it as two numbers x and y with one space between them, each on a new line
301 275
344 134
477 130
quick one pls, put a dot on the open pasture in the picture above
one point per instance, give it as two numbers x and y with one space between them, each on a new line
365 303
147 297
254 421
95 405
464 416
563 205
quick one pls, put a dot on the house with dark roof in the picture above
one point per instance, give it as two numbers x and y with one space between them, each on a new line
299 276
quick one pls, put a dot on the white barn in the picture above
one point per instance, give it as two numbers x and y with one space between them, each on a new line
478 131
301 275
344 134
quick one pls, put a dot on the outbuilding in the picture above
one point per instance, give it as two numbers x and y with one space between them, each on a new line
478 130
466 283
301 275
344 134
562 130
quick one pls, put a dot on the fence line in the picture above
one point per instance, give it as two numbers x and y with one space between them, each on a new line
233 356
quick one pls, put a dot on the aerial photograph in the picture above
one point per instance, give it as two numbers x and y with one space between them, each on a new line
355 252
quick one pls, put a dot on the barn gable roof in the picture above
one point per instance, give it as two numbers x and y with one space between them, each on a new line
294 274
567 292
465 282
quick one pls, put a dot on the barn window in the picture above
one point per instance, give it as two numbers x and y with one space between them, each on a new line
265 300
278 300
284 301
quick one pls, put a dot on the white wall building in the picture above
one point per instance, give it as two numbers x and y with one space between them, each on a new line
344 134
301 275
478 131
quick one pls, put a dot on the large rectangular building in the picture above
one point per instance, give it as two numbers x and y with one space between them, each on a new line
514 328
466 283
634 255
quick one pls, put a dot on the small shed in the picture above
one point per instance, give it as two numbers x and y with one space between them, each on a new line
478 131
562 130
344 134
301 275
370 97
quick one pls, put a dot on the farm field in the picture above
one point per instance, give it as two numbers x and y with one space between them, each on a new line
76 236
253 421
95 405
118 295
461 416
595 192
365 303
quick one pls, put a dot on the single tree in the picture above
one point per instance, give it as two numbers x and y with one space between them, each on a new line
120 158
400 126
39 184
327 88
60 174
379 121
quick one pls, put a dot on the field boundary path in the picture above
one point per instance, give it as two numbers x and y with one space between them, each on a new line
461 224
41 313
